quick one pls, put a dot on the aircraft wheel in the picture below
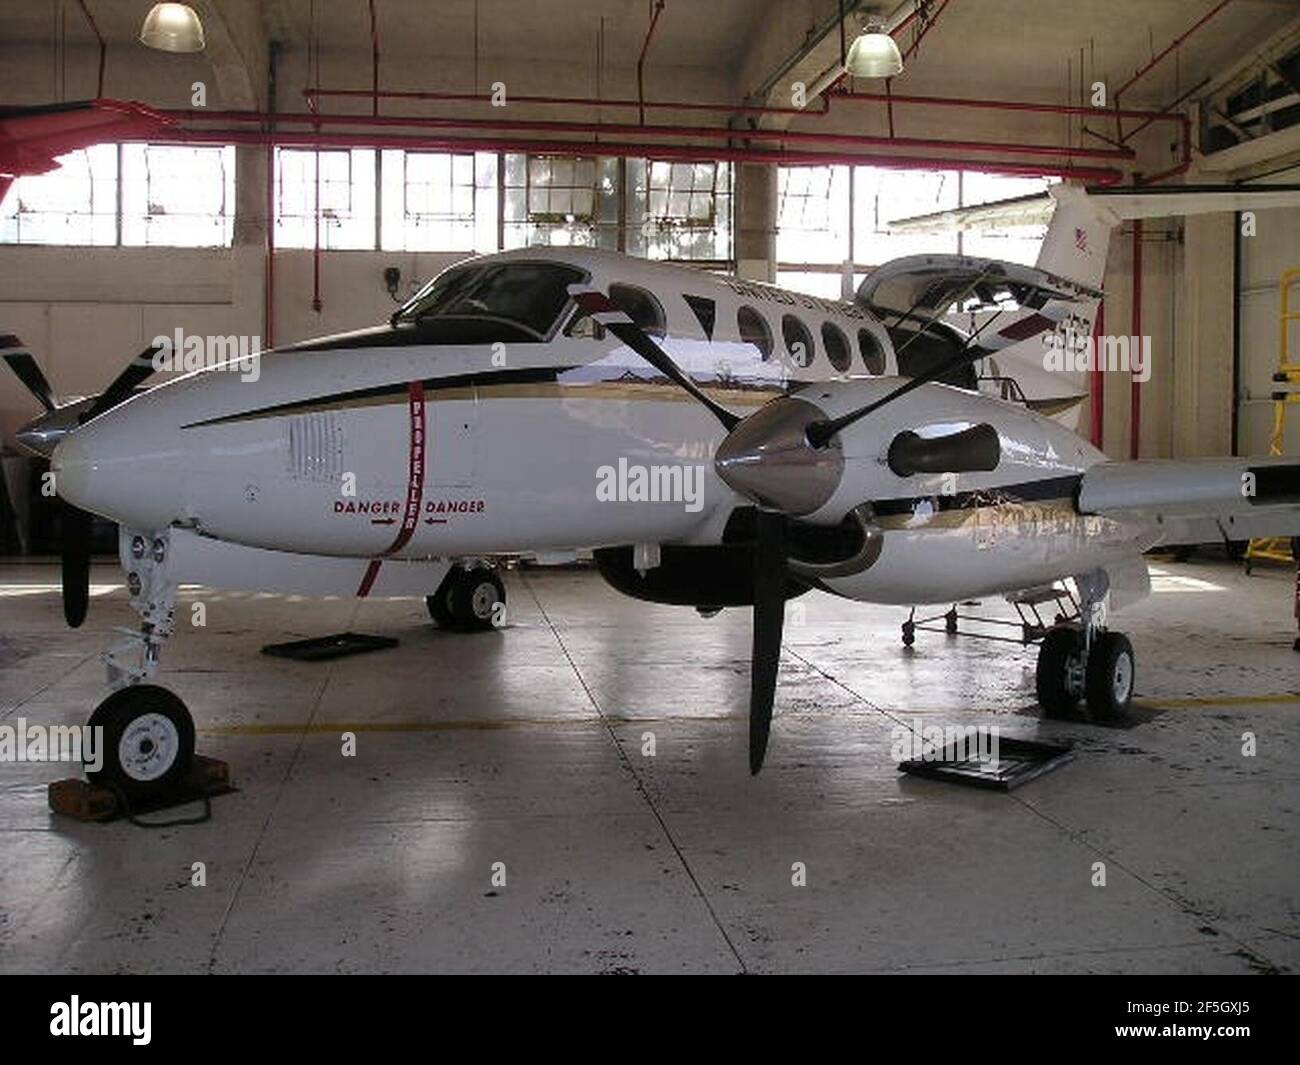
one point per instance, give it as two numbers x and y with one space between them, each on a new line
439 606
1056 677
909 633
1110 676
148 741
477 598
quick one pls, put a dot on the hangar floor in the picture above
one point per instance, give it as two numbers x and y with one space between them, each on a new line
524 746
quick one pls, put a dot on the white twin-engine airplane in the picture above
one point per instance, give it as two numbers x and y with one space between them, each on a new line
848 447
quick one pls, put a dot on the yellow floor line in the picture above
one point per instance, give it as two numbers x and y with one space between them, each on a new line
1217 700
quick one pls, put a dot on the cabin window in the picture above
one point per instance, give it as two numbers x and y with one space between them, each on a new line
798 341
754 330
873 354
837 347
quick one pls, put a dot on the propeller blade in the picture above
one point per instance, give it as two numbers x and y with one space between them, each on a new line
137 371
820 433
27 370
616 320
769 619
76 564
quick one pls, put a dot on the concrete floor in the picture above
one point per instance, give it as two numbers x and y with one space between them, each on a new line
524 747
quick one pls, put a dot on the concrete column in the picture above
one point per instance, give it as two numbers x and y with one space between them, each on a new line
756 204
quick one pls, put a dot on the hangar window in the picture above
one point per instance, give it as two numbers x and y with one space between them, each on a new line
74 204
560 201
837 347
522 300
798 341
178 196
754 330
872 352
437 201
347 198
679 210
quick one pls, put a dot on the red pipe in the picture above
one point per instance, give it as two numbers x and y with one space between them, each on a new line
1135 386
103 46
699 153
640 63
689 132
1098 379
312 95
374 59
1177 41
1002 105
911 51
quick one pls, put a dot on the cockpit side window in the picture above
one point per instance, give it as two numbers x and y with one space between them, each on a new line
639 304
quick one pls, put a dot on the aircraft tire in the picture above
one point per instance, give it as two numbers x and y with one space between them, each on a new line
477 595
1052 677
147 744
1111 676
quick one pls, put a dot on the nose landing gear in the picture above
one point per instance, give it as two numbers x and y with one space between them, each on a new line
147 744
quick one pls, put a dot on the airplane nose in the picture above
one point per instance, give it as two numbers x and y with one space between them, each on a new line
119 465
71 465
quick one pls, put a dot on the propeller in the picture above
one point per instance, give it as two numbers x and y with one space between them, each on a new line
123 386
770 552
27 370
785 457
43 434
76 564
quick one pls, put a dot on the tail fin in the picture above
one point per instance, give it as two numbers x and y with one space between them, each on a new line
1079 232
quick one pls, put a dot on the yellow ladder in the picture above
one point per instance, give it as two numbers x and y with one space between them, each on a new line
1278 549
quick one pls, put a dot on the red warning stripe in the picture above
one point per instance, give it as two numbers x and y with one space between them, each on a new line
414 486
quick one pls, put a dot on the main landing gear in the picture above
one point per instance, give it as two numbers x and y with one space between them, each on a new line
148 734
470 599
1086 661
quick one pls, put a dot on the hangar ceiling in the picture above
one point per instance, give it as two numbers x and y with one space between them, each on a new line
1023 46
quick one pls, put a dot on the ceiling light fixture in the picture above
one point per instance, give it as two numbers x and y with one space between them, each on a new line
874 54
173 28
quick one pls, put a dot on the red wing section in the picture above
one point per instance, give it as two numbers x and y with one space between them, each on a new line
31 138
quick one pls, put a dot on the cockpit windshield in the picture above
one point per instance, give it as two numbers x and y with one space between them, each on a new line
529 296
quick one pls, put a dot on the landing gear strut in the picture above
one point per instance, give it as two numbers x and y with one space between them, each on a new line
147 741
1086 661
470 599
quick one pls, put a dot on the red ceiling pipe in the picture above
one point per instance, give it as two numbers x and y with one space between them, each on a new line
1098 380
1003 105
103 46
911 51
374 60
640 63
700 153
689 132
1135 386
1173 46
312 95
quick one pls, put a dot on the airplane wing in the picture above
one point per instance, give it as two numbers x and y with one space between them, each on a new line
32 138
1199 500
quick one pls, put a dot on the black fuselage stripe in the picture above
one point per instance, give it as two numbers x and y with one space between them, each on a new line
1049 488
